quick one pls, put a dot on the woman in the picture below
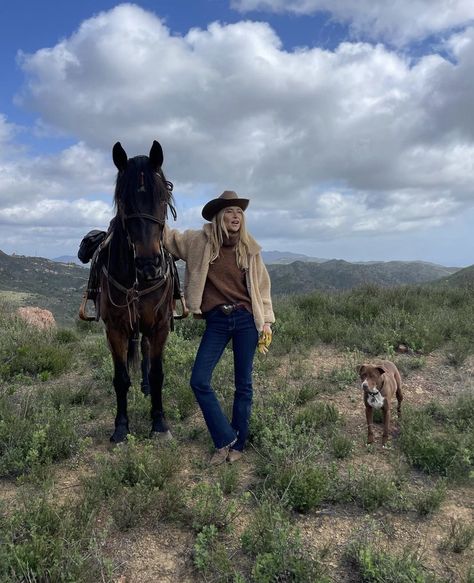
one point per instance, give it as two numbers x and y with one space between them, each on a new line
227 284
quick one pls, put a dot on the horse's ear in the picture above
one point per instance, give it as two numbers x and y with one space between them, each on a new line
119 156
156 156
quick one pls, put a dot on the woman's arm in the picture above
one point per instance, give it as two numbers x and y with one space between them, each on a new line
176 242
264 286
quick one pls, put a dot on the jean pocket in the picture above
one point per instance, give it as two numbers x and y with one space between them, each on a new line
211 314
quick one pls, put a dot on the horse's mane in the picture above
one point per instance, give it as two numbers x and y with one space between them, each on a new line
157 189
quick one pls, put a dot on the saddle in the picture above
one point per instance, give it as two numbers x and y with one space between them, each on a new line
90 249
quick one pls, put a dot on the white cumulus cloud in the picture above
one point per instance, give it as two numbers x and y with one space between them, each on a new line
397 21
324 142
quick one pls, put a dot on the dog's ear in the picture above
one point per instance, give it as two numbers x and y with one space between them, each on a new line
362 369
381 369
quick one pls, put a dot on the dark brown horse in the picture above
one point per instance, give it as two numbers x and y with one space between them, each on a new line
137 281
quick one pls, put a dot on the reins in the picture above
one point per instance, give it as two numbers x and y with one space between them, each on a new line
133 294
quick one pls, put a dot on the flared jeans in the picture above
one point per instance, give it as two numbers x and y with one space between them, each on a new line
220 329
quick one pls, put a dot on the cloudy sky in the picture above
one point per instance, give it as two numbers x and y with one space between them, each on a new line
348 123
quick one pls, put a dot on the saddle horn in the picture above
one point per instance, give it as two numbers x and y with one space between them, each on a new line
119 156
156 156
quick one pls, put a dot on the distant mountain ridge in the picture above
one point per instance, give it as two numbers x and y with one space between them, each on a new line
336 274
285 257
68 259
58 286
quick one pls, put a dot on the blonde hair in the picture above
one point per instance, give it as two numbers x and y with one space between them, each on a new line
219 232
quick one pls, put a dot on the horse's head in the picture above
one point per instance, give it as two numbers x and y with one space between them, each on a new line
142 198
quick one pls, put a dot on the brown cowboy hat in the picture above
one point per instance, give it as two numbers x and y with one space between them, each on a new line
227 198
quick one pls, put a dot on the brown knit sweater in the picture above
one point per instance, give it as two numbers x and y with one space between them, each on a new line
225 283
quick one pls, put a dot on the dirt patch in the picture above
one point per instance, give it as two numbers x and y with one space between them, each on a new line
143 556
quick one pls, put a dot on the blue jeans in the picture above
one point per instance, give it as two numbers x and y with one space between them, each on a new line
240 326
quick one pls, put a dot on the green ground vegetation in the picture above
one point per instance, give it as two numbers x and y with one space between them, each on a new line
57 406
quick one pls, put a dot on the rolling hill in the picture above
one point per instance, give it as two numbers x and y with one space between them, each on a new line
58 286
41 282
302 277
461 278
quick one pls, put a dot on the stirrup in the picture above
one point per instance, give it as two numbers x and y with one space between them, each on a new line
83 310
184 309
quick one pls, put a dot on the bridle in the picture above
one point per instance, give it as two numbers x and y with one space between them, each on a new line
165 278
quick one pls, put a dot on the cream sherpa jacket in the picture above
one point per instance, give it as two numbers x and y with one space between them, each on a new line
194 248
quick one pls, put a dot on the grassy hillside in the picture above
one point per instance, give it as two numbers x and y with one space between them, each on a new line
302 277
308 503
462 278
59 286
55 286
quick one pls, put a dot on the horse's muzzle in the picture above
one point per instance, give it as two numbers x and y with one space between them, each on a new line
149 269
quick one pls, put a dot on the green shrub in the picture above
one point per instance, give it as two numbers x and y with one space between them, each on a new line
470 575
208 506
276 547
459 537
178 362
282 445
427 502
368 490
458 350
434 448
375 565
461 412
340 378
307 392
45 542
211 557
65 336
228 477
131 504
317 415
341 446
37 358
132 464
407 364
301 486
35 433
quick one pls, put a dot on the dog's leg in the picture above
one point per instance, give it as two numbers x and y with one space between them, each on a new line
399 401
369 415
386 423
399 394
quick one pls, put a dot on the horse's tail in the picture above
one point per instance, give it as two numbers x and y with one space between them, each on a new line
133 354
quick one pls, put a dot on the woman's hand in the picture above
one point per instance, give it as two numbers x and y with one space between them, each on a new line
265 339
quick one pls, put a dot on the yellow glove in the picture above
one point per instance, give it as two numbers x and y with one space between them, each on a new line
264 341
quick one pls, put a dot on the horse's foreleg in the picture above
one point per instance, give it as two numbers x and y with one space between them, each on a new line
145 347
121 381
159 425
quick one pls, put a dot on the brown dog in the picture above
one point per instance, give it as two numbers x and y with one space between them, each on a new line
380 383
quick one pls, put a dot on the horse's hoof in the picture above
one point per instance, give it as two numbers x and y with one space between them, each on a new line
161 435
146 390
120 434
